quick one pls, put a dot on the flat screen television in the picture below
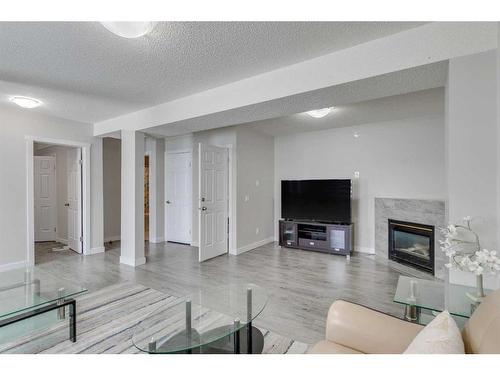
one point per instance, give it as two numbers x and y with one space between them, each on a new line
316 200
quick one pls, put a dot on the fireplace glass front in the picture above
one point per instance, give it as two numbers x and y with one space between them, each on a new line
412 244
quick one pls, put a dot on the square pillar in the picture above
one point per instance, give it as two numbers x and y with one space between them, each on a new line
132 199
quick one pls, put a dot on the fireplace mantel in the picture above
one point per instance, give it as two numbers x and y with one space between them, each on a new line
430 212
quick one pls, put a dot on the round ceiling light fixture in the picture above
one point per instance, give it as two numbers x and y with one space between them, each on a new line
25 102
130 29
319 113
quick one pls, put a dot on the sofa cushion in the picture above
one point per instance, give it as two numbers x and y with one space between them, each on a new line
440 336
329 347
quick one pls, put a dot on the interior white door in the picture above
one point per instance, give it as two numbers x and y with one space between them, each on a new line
74 204
179 199
45 198
213 201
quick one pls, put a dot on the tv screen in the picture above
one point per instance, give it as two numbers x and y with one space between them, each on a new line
316 200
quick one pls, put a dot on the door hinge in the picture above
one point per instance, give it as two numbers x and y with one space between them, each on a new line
80 161
81 239
190 232
55 229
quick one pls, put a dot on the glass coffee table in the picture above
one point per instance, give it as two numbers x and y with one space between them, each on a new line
212 320
434 296
27 293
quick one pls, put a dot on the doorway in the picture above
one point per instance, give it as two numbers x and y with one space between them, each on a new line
75 203
179 198
58 201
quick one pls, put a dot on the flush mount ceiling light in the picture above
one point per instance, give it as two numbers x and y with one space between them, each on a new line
319 113
130 29
25 102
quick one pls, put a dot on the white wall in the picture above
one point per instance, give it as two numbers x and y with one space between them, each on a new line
472 148
400 159
471 143
16 124
61 155
111 160
255 181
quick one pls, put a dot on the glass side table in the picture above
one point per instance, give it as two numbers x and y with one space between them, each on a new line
28 293
434 296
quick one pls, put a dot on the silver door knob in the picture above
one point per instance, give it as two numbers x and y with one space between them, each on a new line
203 208
168 202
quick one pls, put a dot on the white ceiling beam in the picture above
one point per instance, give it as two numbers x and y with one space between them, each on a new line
422 45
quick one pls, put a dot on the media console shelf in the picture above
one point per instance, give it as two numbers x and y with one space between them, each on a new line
327 238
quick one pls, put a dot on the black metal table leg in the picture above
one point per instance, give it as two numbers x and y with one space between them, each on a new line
72 321
249 320
236 337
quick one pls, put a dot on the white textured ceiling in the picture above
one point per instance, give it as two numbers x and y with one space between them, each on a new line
83 72
426 103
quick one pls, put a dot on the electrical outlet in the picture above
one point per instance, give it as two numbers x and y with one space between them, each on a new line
257 230
356 174
247 198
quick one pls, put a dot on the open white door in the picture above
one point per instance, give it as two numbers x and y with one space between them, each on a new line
213 201
45 198
74 203
179 200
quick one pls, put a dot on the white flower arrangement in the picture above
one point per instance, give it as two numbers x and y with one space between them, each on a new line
461 245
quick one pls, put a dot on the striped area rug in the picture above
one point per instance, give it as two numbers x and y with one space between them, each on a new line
106 322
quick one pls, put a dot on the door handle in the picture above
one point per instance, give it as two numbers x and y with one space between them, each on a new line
168 202
66 204
203 208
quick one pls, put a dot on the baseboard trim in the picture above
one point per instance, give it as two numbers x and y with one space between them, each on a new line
364 250
133 262
252 246
112 238
156 239
13 266
95 250
64 241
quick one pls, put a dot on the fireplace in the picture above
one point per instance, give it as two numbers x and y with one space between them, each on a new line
412 244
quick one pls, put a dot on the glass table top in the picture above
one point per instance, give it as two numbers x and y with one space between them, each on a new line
199 319
25 289
436 296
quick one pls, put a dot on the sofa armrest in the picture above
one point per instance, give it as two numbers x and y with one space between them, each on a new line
367 330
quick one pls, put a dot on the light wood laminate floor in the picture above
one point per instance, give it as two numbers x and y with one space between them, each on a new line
301 284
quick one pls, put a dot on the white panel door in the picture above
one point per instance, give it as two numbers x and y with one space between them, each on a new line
45 198
74 204
213 201
179 199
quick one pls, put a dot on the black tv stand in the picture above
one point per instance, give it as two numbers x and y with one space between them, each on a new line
316 236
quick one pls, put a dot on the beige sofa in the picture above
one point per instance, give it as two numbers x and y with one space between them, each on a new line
354 329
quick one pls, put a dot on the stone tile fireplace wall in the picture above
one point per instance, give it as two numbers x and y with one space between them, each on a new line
430 212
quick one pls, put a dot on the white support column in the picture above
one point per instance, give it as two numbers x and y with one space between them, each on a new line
132 199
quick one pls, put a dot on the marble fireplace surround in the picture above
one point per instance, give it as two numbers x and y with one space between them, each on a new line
422 211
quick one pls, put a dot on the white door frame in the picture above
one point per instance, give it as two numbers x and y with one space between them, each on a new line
30 140
165 164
